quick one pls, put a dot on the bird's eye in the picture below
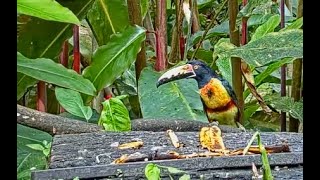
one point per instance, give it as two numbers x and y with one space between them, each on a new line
196 66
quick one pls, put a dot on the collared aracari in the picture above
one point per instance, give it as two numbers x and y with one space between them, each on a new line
217 96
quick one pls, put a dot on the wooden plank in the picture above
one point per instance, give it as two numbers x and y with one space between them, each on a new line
92 149
89 156
192 166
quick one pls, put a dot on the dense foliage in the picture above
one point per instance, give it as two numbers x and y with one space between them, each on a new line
109 44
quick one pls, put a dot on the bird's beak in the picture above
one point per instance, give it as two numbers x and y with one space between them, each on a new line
180 72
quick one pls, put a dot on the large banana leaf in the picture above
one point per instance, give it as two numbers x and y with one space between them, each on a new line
23 83
111 60
72 102
271 47
42 38
107 17
28 158
179 99
46 70
267 27
115 115
47 9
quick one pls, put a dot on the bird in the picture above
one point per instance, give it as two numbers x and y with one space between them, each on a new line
218 98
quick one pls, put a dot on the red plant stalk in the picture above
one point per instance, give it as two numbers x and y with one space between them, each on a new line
64 60
64 54
41 96
244 30
161 35
76 49
283 123
182 43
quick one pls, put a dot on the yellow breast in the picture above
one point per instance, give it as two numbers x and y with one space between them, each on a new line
226 117
214 94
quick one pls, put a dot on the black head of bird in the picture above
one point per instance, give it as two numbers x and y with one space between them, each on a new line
218 97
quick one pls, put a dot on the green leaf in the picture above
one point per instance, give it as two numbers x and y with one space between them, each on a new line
107 17
250 110
28 161
115 116
37 147
179 99
26 135
224 66
248 9
94 118
26 157
46 152
152 172
219 30
144 7
45 143
270 69
47 9
224 62
185 177
205 55
111 60
271 47
286 104
51 72
23 83
267 175
173 170
41 38
127 82
267 27
295 25
258 19
204 3
258 80
72 102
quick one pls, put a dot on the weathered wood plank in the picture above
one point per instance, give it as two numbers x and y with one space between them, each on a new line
89 156
95 148
194 167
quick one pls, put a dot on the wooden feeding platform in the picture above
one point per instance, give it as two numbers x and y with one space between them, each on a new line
90 156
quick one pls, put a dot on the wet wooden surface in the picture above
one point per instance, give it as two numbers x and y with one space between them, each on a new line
89 156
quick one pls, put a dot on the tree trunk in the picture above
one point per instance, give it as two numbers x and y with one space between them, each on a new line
135 17
195 17
236 62
150 39
175 56
296 79
283 117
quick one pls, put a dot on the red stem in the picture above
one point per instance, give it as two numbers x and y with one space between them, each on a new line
76 49
64 54
41 96
161 35
64 57
244 30
182 46
283 122
282 14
